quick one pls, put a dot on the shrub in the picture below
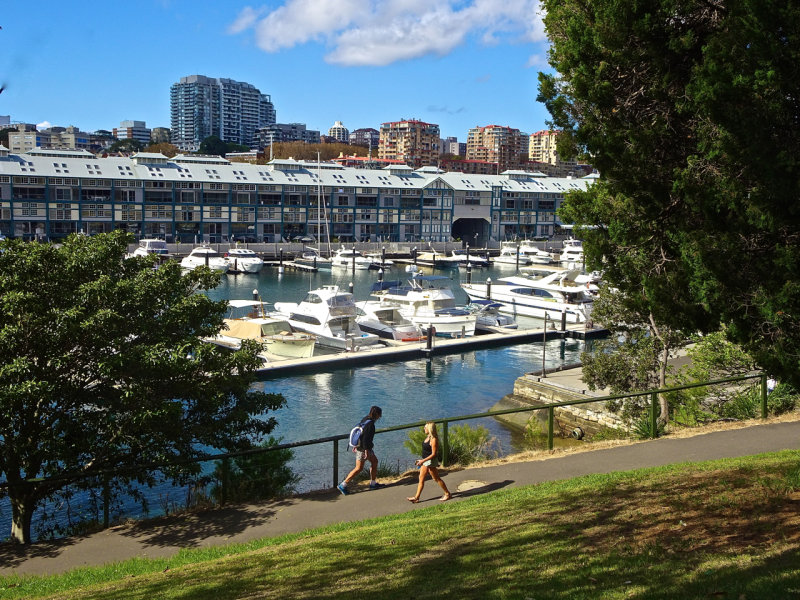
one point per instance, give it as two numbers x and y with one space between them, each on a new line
641 428
257 476
534 437
467 444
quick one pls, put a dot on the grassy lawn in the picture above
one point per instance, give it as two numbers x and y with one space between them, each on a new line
724 529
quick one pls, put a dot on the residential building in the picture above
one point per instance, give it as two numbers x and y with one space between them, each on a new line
366 136
286 132
203 106
133 130
414 142
543 149
452 146
339 132
160 135
47 193
495 143
27 137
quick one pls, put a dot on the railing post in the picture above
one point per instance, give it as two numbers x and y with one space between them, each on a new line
550 419
335 463
763 395
106 501
225 481
653 414
445 444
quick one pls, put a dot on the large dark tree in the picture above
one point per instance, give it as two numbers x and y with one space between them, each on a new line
102 369
690 110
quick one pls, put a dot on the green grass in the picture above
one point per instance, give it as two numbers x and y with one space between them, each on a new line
723 529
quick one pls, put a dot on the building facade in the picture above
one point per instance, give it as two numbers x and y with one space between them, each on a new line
27 138
286 132
48 194
414 142
203 106
160 135
339 132
495 144
543 148
366 136
133 130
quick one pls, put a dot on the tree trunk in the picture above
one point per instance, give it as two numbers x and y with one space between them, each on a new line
22 508
662 383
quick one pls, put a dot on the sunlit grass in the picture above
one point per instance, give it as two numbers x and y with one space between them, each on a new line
723 529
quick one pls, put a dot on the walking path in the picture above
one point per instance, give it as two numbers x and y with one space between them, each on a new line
165 537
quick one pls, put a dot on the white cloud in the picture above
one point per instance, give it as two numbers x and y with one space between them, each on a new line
245 20
44 125
380 32
537 61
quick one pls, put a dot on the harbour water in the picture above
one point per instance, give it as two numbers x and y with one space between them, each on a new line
324 404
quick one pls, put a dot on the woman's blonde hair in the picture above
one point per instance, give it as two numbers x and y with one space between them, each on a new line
431 427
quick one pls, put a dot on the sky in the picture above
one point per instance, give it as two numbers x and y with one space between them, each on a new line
456 63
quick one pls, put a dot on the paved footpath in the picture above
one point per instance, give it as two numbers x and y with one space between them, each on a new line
242 523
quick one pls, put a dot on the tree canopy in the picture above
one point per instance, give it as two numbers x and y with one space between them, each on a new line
215 146
102 369
690 110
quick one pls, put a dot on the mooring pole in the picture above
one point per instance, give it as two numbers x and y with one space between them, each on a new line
544 344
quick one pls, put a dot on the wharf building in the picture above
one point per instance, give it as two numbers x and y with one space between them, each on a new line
204 106
48 194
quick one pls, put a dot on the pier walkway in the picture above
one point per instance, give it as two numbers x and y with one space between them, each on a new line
166 536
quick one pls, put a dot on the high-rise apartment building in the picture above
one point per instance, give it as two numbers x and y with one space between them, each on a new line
495 144
133 130
365 136
286 132
339 132
203 106
414 142
543 149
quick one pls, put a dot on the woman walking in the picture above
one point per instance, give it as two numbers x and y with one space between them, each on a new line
429 463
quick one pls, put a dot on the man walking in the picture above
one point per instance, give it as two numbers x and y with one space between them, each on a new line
364 452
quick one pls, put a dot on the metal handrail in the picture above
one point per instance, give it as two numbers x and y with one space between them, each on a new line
105 475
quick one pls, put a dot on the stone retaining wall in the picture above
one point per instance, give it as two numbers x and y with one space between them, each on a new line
533 390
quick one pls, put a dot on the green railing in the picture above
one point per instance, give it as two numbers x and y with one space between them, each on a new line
104 477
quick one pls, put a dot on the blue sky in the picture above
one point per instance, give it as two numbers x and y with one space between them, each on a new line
457 63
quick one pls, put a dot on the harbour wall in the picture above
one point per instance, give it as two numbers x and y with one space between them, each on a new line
562 385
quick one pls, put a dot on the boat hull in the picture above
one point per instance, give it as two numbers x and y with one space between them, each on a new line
528 306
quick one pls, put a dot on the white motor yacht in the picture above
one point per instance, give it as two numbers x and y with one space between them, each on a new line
536 255
551 296
205 256
385 320
312 256
572 251
243 260
148 246
329 314
345 258
474 259
246 320
428 301
437 260
489 317
510 255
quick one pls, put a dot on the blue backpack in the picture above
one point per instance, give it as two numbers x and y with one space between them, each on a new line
354 441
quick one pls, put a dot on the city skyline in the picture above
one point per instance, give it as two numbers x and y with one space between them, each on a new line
459 64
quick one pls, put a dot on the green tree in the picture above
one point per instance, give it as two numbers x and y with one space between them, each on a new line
165 148
689 110
102 369
126 145
639 358
214 146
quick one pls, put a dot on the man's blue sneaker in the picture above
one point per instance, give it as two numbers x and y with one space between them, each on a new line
342 488
376 485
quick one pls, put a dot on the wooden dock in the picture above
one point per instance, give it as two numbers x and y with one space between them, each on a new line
416 350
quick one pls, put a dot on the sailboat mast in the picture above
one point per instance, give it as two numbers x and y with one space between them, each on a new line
319 206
